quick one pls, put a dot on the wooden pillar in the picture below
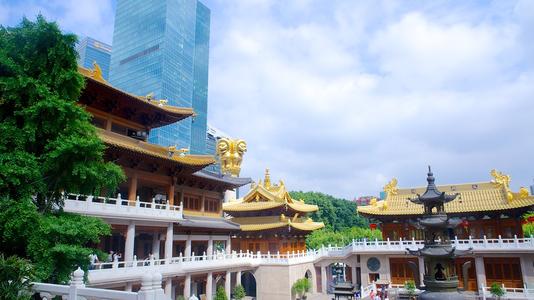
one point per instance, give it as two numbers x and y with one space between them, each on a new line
108 124
170 193
132 190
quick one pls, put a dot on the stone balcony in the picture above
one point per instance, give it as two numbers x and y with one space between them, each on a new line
177 266
119 208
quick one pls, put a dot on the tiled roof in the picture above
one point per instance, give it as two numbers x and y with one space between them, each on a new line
267 196
124 142
272 222
154 105
473 197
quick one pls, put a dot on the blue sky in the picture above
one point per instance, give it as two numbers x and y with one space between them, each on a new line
341 96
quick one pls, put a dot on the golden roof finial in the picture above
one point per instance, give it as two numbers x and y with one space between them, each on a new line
267 181
97 72
391 188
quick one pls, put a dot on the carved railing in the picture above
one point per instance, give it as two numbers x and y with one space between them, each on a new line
150 289
109 206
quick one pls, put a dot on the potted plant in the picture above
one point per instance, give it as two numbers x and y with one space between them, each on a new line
180 297
497 290
220 294
410 288
301 287
239 292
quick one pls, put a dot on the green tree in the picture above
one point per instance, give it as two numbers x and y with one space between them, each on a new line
49 147
15 277
220 294
410 288
48 144
497 290
301 287
343 237
239 292
337 214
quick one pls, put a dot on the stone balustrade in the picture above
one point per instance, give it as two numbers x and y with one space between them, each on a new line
177 266
122 208
151 288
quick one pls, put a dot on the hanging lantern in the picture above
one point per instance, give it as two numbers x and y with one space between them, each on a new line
531 219
372 226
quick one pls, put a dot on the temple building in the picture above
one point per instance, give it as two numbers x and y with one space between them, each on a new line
271 221
482 211
168 207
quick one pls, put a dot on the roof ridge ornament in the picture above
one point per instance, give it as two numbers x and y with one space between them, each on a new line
96 73
391 188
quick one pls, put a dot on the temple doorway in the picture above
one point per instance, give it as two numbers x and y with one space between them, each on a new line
249 283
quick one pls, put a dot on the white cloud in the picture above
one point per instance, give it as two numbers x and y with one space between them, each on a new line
340 96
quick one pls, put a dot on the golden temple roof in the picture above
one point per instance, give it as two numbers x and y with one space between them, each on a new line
473 197
265 196
158 105
274 222
124 142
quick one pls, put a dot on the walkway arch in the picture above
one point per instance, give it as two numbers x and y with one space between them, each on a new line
309 275
248 281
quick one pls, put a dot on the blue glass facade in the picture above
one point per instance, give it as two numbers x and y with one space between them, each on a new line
90 50
155 51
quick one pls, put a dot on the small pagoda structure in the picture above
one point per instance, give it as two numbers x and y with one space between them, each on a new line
441 281
270 220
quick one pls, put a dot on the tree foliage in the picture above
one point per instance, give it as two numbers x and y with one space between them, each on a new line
220 294
337 214
239 292
48 147
342 224
48 143
301 287
16 275
327 236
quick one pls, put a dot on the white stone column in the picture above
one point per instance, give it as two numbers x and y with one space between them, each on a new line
228 284
353 274
130 242
324 279
188 247
168 287
238 278
155 245
524 268
228 247
168 242
421 262
209 251
128 287
209 286
187 287
481 273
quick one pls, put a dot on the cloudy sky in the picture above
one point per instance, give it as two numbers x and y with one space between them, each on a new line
341 96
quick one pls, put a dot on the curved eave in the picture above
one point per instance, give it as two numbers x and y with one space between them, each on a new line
418 210
306 226
251 206
140 147
172 114
266 205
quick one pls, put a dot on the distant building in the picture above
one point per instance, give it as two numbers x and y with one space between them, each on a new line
364 200
91 50
161 47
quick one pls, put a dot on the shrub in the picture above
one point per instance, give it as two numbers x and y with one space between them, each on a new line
220 294
239 292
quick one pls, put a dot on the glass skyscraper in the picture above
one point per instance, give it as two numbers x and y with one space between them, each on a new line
90 50
162 47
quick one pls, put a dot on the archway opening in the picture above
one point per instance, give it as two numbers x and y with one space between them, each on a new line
249 283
